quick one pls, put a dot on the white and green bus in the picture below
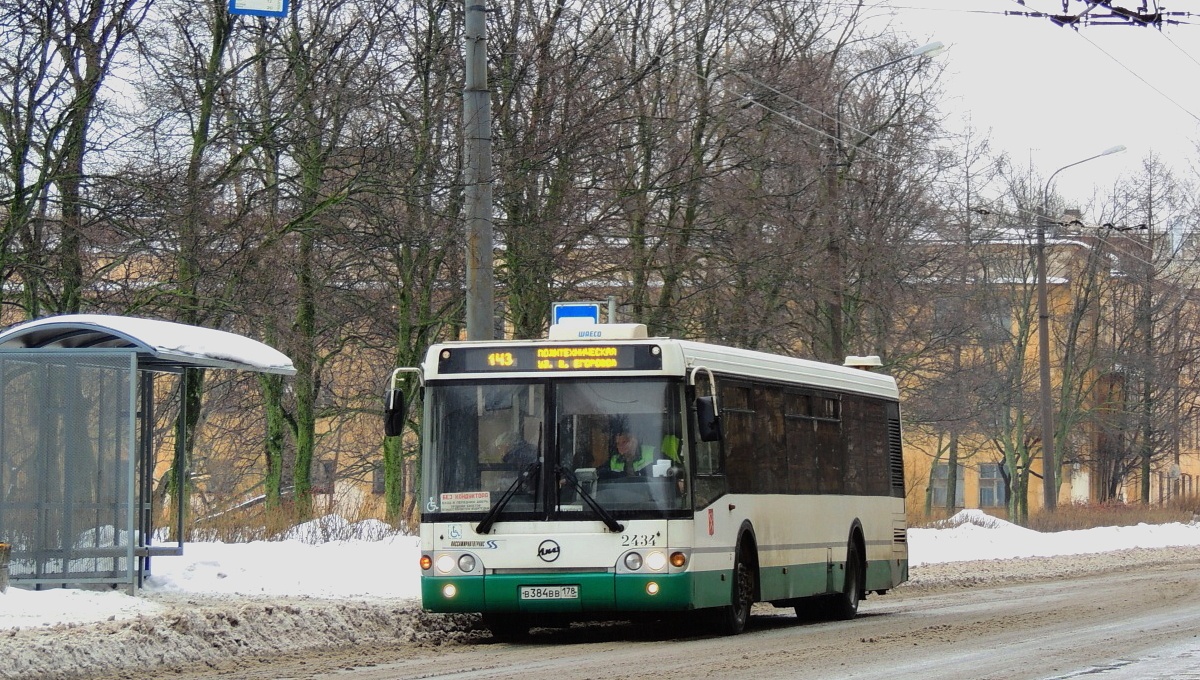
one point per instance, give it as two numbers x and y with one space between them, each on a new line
752 478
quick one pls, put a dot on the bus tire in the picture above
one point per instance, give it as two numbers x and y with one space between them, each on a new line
732 618
506 627
845 604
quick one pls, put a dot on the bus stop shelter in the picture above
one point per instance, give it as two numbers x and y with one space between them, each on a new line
77 398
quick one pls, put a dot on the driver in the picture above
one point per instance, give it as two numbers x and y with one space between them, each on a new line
629 458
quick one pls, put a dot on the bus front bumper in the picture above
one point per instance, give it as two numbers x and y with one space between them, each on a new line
559 593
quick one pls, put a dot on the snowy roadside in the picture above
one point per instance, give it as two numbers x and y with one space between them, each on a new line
191 630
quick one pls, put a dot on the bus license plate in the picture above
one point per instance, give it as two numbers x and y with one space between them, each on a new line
549 592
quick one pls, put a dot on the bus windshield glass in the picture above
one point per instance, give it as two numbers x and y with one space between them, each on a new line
616 444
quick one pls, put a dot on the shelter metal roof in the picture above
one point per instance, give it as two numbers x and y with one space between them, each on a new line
160 344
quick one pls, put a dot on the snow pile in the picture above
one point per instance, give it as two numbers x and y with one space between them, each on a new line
386 568
264 598
977 536
26 608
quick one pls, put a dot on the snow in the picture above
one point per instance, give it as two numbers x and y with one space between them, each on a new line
385 565
980 536
166 337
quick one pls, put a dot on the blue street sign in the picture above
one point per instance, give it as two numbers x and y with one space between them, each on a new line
259 8
576 311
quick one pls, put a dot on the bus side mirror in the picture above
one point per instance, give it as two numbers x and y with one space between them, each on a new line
708 422
393 413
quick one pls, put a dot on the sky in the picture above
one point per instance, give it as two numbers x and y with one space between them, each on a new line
1051 95
387 567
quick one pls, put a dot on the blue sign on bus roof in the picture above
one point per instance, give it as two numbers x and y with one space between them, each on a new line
576 311
259 8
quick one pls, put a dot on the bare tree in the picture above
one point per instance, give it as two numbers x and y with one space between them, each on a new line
1148 325
60 56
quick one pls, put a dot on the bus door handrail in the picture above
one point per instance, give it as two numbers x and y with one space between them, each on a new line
712 384
391 393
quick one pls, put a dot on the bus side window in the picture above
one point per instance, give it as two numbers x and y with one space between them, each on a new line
710 465
708 454
708 458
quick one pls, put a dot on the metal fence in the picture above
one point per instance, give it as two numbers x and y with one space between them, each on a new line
67 466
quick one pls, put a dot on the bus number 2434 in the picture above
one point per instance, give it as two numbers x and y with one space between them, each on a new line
638 540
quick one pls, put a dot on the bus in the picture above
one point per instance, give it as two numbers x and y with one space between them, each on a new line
603 474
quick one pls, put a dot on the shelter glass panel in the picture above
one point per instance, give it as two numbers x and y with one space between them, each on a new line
67 442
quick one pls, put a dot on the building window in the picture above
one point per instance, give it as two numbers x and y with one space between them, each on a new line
991 485
995 322
939 475
323 475
377 480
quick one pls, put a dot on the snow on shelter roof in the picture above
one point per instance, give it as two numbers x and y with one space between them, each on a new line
161 344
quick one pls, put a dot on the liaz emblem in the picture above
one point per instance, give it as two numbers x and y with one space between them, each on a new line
548 551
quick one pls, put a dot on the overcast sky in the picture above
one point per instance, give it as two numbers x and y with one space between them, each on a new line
1052 95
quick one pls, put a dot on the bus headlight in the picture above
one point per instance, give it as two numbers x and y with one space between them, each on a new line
652 588
678 560
466 563
445 563
656 561
633 561
449 591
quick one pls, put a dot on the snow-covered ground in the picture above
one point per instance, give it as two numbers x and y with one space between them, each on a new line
386 567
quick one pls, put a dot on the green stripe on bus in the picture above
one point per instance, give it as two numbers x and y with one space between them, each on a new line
605 592
794 580
597 592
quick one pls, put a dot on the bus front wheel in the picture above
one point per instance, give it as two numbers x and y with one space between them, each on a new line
732 618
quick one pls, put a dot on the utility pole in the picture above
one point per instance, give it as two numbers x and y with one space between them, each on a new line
477 177
1049 459
1145 317
833 181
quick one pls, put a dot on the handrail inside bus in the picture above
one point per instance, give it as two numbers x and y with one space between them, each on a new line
712 383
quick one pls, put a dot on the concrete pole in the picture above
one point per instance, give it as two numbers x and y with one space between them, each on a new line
1049 469
1049 459
477 176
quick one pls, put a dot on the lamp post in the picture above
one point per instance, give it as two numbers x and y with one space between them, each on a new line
1049 466
833 247
477 177
928 50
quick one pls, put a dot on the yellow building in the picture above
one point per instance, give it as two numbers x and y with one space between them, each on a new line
1105 292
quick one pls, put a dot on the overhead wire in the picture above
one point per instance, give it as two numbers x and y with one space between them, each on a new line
1135 74
1178 47
808 107
831 118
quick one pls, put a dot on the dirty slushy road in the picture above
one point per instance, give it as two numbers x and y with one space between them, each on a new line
1139 621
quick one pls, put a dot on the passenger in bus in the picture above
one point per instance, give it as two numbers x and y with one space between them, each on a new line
513 448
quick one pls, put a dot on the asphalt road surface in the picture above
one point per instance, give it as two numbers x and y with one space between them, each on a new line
1139 623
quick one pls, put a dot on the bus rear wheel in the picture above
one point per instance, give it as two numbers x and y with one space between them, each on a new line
844 605
732 618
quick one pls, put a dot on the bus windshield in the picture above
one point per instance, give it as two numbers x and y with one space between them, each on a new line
555 448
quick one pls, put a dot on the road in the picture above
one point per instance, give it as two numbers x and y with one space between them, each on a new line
1142 623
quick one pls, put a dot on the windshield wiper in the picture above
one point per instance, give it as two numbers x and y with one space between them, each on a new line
605 515
485 525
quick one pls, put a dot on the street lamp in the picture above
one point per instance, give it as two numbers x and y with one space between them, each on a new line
1049 471
928 50
834 248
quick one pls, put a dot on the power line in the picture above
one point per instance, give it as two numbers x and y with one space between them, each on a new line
1181 50
1135 74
